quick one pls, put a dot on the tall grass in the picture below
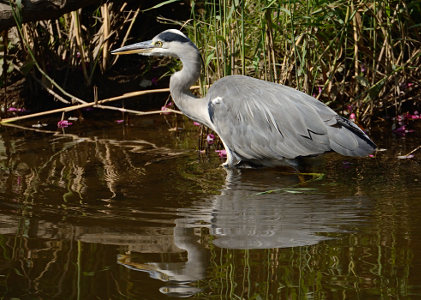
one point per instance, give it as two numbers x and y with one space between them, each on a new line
359 56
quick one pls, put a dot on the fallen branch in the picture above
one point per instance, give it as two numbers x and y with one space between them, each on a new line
96 104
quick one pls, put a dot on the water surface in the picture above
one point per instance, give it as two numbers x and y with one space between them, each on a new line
102 210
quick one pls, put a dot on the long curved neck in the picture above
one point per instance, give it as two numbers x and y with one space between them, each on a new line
180 83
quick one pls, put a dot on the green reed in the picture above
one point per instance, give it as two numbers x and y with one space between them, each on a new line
364 55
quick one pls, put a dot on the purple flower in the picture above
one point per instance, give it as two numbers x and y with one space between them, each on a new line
221 153
402 130
14 109
346 164
415 116
210 138
164 109
400 118
154 81
362 68
63 124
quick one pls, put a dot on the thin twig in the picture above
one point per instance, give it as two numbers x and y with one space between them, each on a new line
49 90
413 151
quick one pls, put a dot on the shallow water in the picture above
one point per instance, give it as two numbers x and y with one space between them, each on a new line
102 210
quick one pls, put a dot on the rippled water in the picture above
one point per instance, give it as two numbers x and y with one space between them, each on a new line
102 210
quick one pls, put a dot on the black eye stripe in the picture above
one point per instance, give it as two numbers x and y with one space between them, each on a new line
171 37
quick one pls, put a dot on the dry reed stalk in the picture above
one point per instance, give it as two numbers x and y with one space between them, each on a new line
356 38
77 33
106 31
126 36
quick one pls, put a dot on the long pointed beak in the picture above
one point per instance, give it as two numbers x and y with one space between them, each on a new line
142 47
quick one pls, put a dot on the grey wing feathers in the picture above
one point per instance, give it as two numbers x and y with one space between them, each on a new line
259 120
348 139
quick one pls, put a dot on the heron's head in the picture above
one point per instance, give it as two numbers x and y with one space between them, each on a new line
171 42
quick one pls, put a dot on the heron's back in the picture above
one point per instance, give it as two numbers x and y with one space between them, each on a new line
262 120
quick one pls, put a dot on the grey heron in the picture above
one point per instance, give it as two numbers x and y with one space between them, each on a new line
260 123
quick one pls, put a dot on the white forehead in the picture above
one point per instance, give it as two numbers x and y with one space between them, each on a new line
172 35
176 31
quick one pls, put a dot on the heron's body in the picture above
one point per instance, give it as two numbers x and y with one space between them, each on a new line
260 123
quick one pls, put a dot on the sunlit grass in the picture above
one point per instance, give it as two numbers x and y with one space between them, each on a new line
355 56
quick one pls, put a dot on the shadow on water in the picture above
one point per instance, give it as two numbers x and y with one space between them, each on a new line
113 211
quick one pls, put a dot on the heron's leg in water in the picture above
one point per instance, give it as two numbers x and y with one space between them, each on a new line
298 188
314 177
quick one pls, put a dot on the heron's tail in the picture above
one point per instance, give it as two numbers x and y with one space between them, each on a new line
348 139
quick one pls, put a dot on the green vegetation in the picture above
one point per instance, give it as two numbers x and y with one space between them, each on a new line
357 56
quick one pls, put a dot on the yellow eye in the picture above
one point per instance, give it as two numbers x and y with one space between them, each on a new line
158 44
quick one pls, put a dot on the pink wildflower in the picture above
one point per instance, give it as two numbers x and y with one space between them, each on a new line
164 109
402 130
119 121
210 138
63 124
14 109
400 118
196 124
154 81
352 117
221 153
415 116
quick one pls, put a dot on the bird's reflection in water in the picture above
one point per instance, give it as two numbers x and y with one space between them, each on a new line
244 219
241 218
178 275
